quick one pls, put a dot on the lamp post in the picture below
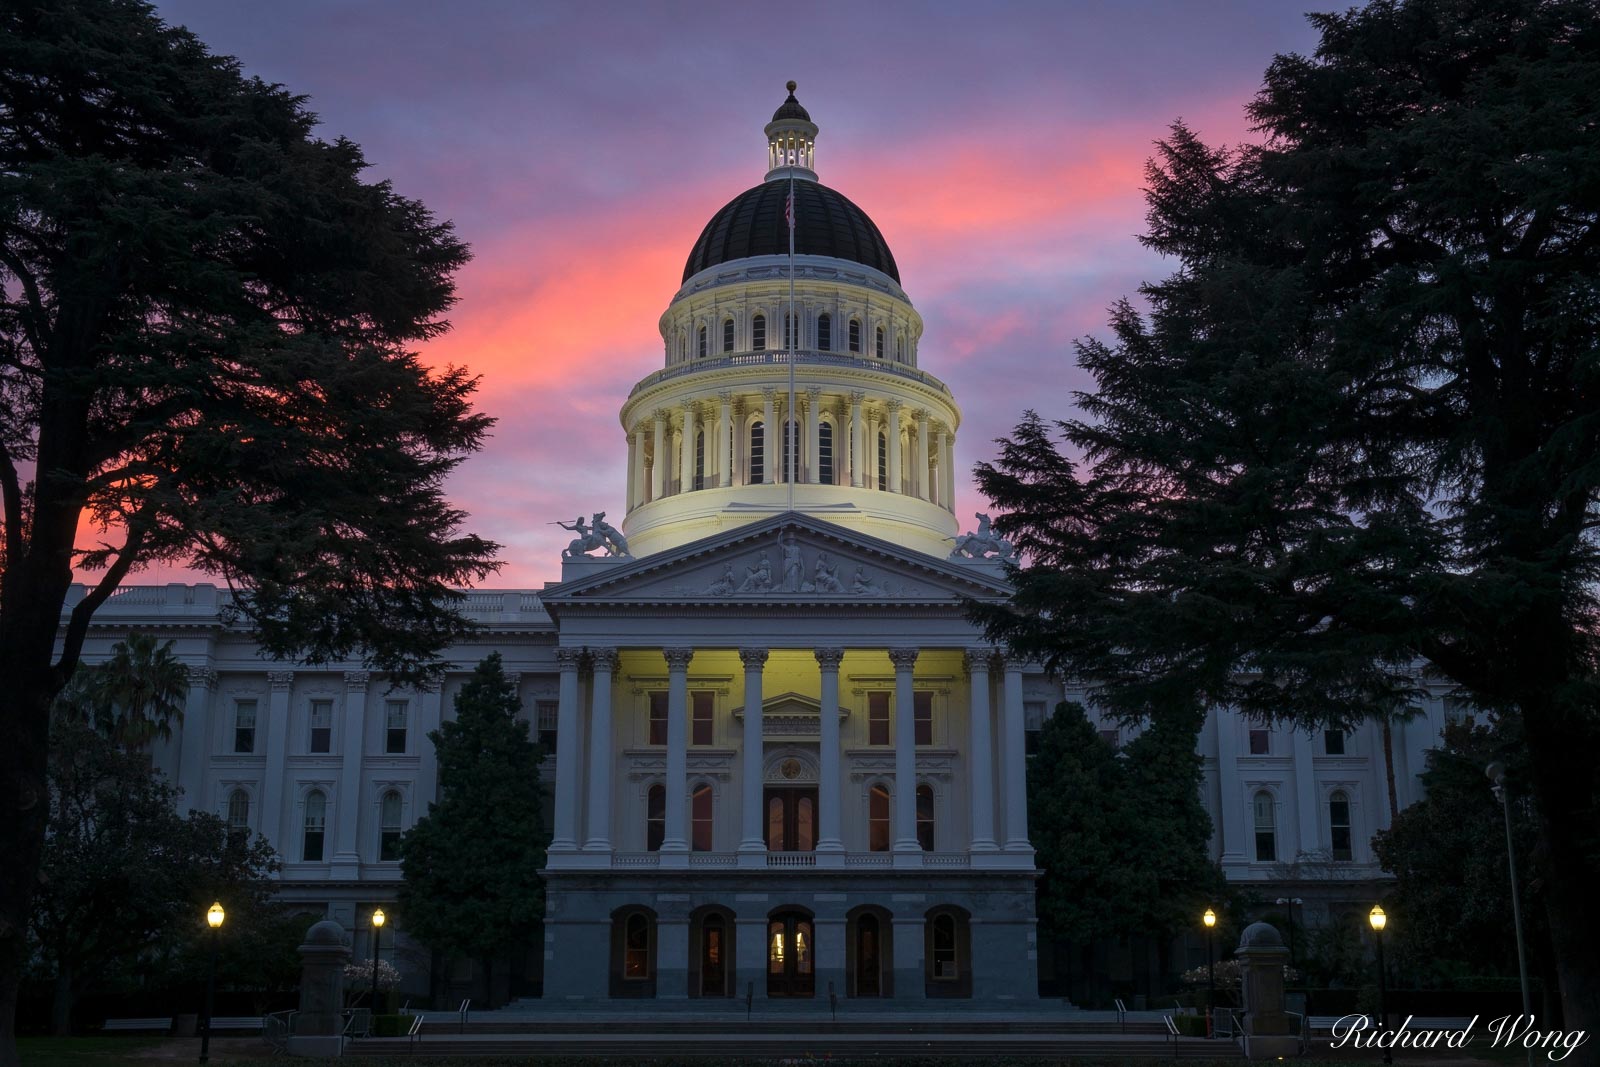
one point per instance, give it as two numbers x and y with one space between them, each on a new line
1497 774
1379 920
1210 919
1290 902
214 917
377 933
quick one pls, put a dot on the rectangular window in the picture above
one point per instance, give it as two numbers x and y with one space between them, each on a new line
1110 737
878 718
1260 742
547 713
922 706
1032 723
1333 742
1266 821
700 810
1339 827
758 332
701 727
244 726
825 453
855 335
758 452
394 734
658 719
727 335
321 739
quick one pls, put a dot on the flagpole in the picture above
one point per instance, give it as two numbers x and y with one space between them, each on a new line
792 429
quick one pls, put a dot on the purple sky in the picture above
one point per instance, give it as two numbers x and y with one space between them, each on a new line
579 148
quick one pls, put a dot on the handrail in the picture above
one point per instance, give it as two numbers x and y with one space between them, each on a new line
276 1027
767 358
1122 1014
414 1035
461 1012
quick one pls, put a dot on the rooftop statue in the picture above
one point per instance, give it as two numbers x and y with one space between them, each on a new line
984 544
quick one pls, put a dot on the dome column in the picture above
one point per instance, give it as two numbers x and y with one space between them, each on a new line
686 449
813 471
771 439
725 439
637 486
947 473
920 475
658 462
892 430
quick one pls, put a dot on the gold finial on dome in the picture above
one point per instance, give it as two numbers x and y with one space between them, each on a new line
791 86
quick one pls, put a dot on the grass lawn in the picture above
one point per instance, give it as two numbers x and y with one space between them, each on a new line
83 1051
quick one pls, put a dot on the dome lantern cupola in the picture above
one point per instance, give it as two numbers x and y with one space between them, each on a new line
791 142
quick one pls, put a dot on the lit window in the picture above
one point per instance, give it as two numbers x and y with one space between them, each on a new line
655 818
700 819
1333 742
878 718
825 453
824 333
757 453
321 739
239 810
758 332
394 734
1260 742
547 713
244 726
389 827
855 335
702 724
878 819
922 710
1339 826
316 823
636 947
658 718
1266 828
727 335
925 817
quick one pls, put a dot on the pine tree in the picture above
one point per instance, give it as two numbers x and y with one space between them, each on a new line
472 864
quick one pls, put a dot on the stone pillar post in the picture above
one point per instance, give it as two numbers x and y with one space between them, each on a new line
346 847
921 483
830 846
980 760
600 757
725 439
430 710
858 458
274 781
192 742
771 440
1231 802
319 1025
1014 740
676 839
752 843
947 474
1261 955
905 752
638 485
686 449
568 754
892 430
658 460
813 472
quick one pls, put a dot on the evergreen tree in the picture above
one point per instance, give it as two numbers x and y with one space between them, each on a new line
472 864
1359 426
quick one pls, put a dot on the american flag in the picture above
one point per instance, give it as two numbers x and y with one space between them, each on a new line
788 210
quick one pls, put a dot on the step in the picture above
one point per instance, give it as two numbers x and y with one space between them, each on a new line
789 1046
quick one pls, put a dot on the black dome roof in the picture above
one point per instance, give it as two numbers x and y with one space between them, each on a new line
826 224
791 109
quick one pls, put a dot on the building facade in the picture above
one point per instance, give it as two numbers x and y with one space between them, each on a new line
783 763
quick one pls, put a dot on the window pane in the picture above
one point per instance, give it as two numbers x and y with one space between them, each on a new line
727 335
239 810
775 837
878 819
855 335
925 817
922 705
758 332
316 821
655 818
703 722
805 825
878 718
548 714
758 452
658 718
395 733
824 333
636 947
244 726
1333 742
825 453
701 819
1258 742
878 343
321 740
1339 826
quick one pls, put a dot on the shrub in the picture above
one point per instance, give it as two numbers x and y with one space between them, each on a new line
390 1025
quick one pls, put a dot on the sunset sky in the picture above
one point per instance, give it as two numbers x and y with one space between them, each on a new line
579 148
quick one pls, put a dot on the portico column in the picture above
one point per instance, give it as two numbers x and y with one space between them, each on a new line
1224 725
828 839
858 463
905 752
346 847
892 431
430 708
771 440
979 758
192 743
658 462
686 451
725 439
272 786
1305 794
1014 740
605 662
920 479
752 842
675 840
568 753
813 472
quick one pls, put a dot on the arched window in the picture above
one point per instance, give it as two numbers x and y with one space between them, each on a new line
1266 816
683 347
238 810
925 817
655 818
389 827
315 825
825 453
883 461
636 962
944 963
701 345
878 344
758 332
727 335
700 819
855 335
791 435
699 459
947 948
758 454
1339 826
878 819
790 341
900 347
824 333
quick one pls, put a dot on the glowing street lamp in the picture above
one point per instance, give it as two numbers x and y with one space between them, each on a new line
377 933
1379 919
214 917
1210 919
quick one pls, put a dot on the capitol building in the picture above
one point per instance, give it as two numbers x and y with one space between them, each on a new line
782 761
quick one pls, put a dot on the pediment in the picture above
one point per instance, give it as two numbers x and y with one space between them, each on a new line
793 559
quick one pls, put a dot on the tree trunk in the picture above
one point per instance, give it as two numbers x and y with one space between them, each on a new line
61 1003
1388 767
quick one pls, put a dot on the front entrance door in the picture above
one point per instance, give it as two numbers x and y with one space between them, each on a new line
791 819
714 957
869 957
791 968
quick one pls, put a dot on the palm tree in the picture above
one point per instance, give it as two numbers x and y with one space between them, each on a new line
136 695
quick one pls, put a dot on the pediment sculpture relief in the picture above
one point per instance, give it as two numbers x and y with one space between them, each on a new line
799 570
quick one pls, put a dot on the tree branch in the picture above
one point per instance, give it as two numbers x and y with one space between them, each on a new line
78 624
11 492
